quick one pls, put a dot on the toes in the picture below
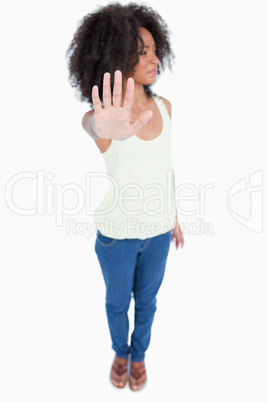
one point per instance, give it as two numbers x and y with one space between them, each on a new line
137 387
138 383
118 383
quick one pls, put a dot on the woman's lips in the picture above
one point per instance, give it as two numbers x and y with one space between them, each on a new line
154 72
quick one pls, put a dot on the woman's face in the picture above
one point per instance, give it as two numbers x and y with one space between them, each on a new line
146 69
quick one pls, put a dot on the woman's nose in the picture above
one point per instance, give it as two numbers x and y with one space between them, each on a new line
154 58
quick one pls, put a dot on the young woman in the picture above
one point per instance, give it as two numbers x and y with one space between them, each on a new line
114 58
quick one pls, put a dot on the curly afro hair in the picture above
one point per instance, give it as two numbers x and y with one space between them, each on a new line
107 40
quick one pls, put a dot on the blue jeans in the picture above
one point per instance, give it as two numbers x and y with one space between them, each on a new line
132 267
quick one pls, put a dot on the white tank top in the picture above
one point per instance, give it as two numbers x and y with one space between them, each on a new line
139 203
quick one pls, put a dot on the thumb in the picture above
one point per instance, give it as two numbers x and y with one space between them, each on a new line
142 120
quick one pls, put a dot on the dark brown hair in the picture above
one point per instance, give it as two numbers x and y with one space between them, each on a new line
107 40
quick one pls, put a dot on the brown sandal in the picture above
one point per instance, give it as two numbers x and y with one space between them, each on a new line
119 369
136 373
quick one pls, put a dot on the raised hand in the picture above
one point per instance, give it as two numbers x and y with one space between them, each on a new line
113 121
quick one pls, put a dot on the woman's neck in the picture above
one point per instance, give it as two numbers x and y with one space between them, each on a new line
140 98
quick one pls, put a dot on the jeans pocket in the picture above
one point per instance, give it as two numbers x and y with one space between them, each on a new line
105 240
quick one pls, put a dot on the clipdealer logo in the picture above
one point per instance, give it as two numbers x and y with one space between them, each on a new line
47 197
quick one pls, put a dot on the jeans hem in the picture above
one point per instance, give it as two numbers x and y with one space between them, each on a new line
137 358
122 355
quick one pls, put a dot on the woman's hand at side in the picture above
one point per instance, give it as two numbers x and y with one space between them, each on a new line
113 121
177 236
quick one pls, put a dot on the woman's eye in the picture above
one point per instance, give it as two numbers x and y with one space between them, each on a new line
144 53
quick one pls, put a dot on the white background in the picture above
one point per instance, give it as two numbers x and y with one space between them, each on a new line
209 339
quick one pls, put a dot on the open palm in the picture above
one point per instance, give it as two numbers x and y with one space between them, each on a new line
113 121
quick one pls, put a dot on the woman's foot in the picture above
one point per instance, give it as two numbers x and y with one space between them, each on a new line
138 376
118 374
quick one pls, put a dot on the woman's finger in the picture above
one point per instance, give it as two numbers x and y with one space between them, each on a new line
129 96
117 91
106 92
142 119
96 99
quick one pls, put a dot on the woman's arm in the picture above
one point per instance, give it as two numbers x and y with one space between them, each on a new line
87 123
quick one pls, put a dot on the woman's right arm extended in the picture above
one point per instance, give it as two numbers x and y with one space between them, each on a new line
113 121
88 122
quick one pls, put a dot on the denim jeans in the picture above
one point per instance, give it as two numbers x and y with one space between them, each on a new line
132 267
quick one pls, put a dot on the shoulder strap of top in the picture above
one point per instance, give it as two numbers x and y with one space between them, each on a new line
162 107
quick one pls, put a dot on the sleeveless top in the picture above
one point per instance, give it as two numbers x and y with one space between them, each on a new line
139 203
